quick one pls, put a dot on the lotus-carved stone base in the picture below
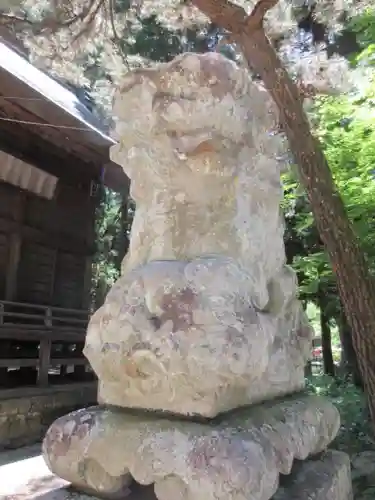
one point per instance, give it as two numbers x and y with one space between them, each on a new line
237 457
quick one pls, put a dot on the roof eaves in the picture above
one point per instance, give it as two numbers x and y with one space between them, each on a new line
49 89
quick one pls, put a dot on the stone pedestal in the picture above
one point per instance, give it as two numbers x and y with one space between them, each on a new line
237 456
203 330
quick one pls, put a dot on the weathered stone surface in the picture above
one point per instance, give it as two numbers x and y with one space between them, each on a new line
173 337
194 138
239 457
327 478
363 464
71 450
205 317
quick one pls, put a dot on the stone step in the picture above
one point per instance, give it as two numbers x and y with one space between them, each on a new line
327 478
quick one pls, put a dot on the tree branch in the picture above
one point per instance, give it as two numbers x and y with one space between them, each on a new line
49 23
6 19
233 18
89 19
223 13
255 19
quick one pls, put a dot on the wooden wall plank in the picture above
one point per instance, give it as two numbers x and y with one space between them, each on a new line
69 281
4 248
15 242
36 273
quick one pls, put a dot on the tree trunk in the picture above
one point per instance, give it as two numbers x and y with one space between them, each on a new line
355 284
122 241
100 291
349 357
328 363
356 287
308 369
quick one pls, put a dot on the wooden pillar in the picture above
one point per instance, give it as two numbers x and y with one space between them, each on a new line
93 202
45 352
44 361
79 371
52 289
3 369
65 353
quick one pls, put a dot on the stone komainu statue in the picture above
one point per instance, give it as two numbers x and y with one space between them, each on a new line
205 317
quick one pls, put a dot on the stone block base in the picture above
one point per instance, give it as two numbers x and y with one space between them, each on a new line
237 457
326 478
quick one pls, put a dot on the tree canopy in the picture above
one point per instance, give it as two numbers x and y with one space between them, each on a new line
91 43
345 125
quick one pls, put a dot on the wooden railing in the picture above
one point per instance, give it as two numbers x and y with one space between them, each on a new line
49 328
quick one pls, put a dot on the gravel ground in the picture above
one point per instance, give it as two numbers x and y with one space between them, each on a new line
25 476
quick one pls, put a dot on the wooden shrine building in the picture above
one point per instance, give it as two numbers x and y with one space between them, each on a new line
53 157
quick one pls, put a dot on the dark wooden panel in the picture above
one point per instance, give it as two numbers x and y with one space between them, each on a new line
69 214
36 272
8 200
74 211
4 254
40 213
44 238
4 239
69 281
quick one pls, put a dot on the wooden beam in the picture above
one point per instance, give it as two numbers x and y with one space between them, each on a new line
28 392
43 366
18 362
68 137
87 150
36 150
69 362
17 332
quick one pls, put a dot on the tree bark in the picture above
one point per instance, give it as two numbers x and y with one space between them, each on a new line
356 287
122 240
308 369
349 357
328 363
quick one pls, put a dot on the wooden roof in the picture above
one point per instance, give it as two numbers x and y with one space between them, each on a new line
32 101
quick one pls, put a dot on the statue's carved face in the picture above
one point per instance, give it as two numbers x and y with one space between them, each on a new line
193 100
199 107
